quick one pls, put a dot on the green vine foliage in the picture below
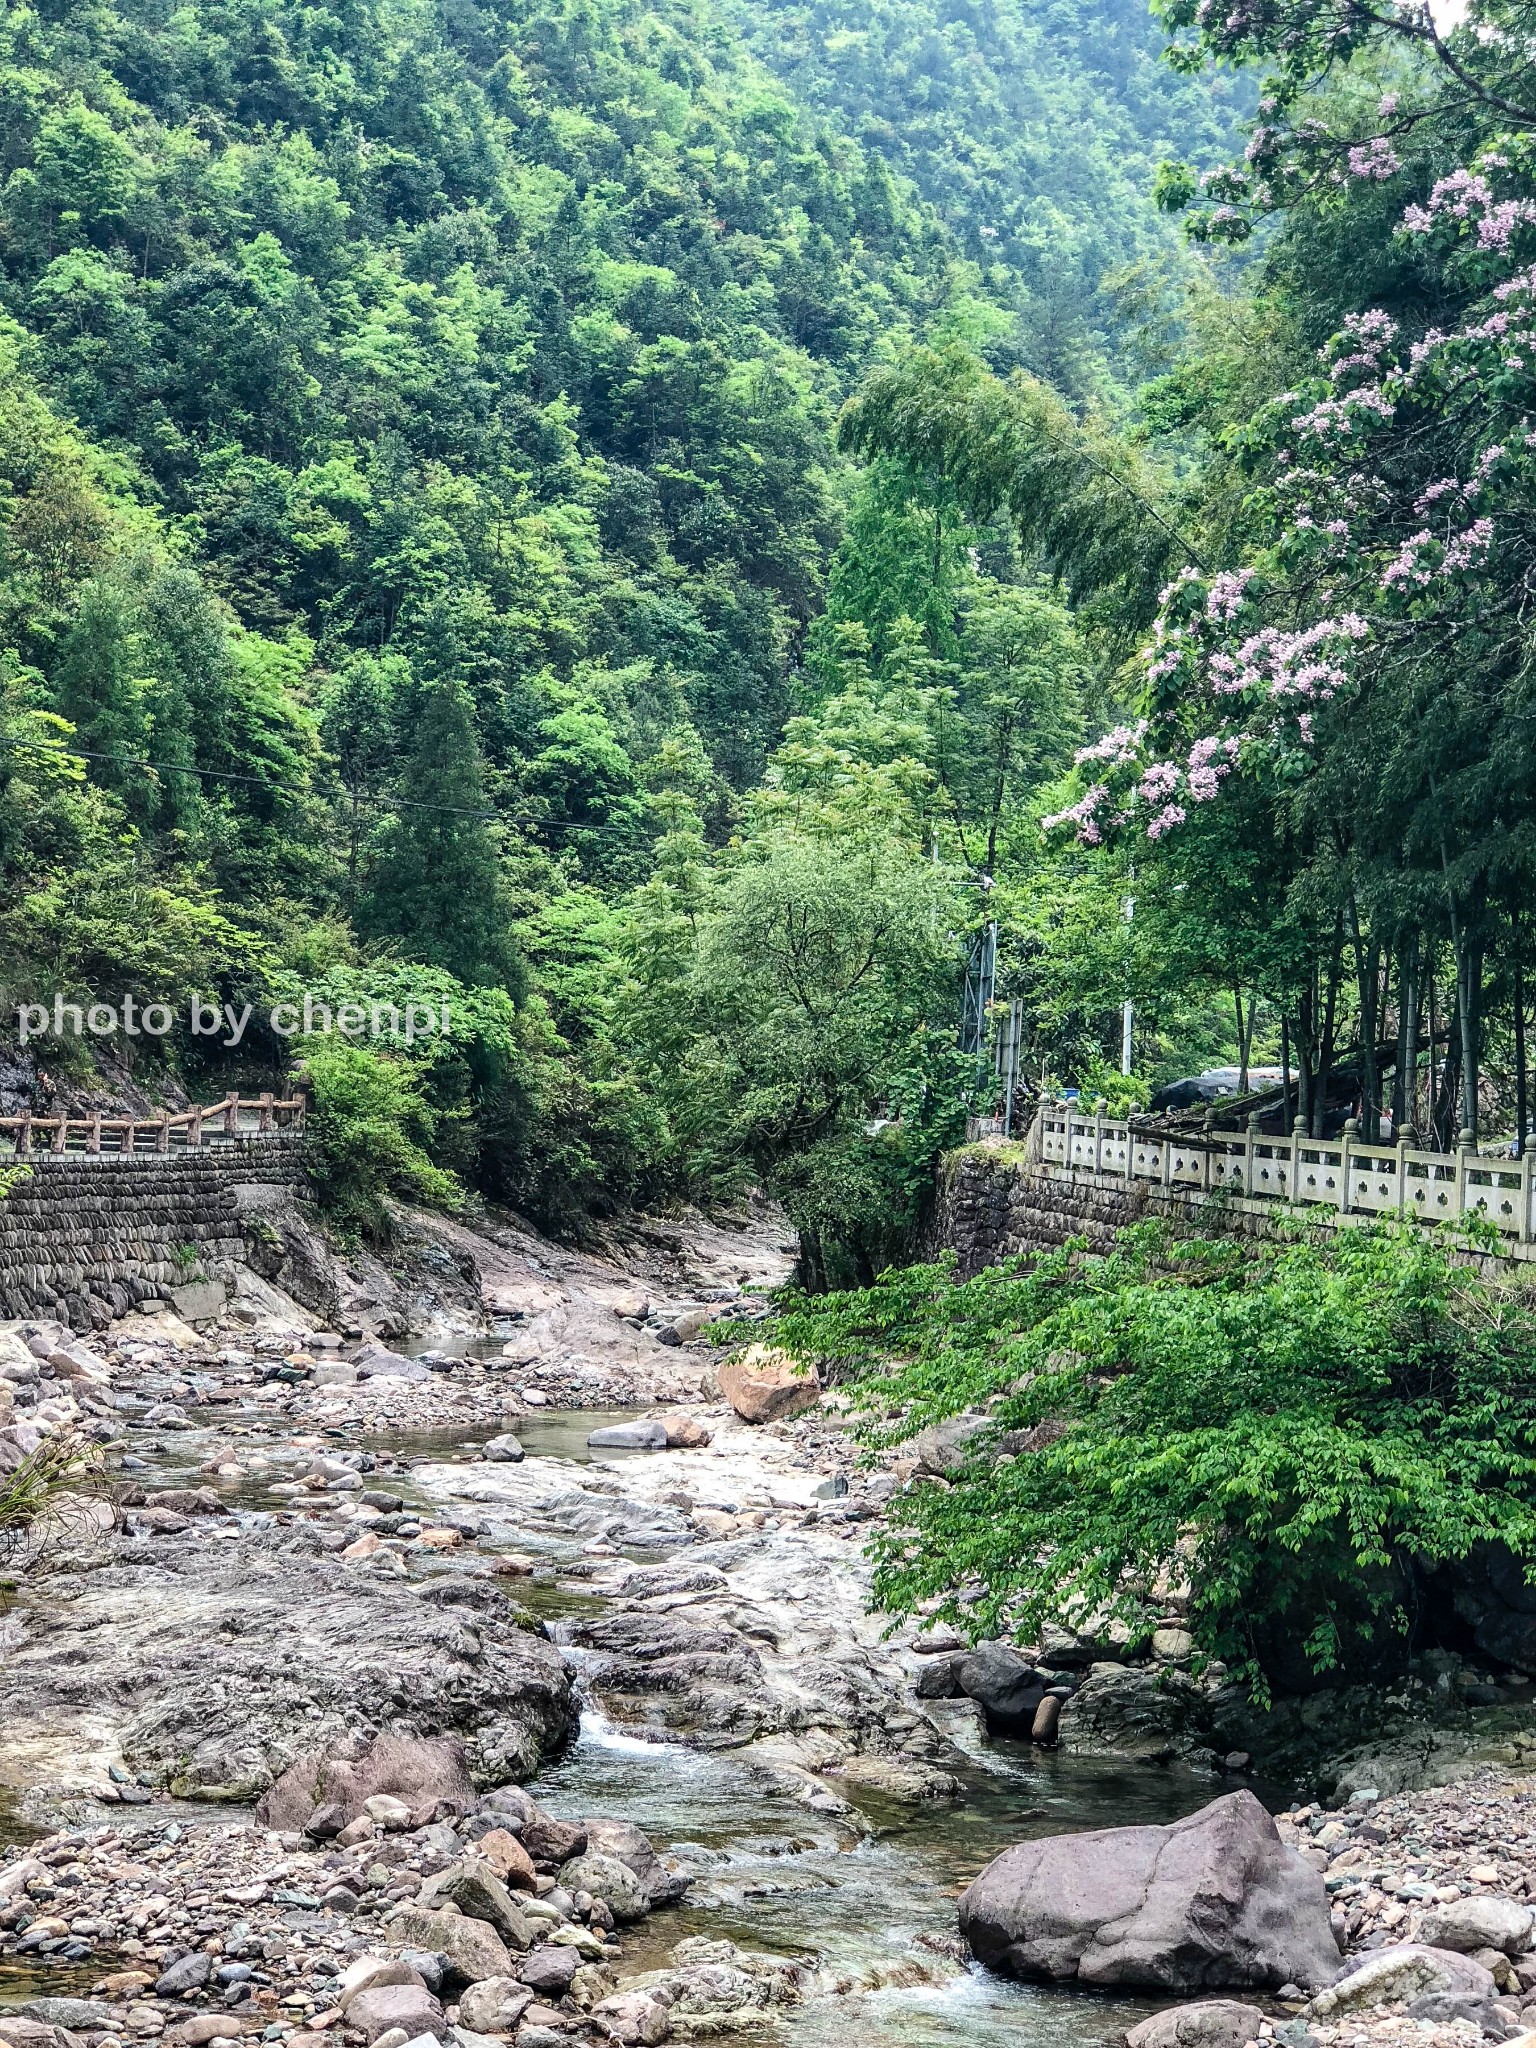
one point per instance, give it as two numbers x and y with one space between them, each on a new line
1302 1434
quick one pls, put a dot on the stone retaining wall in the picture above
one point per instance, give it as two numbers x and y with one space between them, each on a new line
84 1238
995 1200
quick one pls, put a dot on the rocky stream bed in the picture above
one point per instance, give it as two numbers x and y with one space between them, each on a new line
370 1702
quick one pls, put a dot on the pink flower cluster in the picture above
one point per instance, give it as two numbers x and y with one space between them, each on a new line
1415 565
1335 419
1466 198
1369 336
1209 760
1084 814
1276 665
1228 594
1116 747
1374 159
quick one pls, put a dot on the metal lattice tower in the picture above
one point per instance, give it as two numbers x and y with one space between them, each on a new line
980 987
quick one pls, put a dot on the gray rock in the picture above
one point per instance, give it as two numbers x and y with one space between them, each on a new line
940 1449
635 2018
512 1807
1214 2023
1445 2007
228 1661
505 1450
479 1893
1212 1901
630 1436
1481 1921
549 1971
189 1973
321 1795
939 1678
472 1949
1120 1710
391 1365
383 2007
380 1973
1407 1970
622 1840
606 1878
428 1966
1005 1685
494 2006
80 2015
199 1300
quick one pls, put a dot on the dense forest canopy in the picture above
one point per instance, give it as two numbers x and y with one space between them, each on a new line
627 521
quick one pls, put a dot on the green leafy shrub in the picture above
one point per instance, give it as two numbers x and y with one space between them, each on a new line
1304 1432
370 1126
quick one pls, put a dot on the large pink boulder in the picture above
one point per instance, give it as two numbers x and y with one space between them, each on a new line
1214 1901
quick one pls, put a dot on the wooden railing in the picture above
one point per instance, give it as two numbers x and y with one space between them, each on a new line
1352 1176
186 1130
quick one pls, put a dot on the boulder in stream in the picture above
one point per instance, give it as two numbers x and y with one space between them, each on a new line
628 1845
763 1384
1406 1970
319 1795
1214 2023
1213 1901
1004 1684
647 1435
606 1878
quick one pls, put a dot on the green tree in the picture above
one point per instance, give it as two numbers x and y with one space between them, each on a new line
1302 1435
438 889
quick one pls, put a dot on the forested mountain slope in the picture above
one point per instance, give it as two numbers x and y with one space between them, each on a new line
1035 131
428 564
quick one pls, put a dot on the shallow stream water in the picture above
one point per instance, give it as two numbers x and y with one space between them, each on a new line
773 1877
877 1911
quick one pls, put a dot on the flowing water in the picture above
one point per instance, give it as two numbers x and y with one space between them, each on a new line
872 1912
772 1877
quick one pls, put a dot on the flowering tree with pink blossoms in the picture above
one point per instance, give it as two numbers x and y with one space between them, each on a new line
1322 763
1364 672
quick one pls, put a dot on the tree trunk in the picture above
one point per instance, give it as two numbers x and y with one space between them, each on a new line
1330 1018
1518 969
1306 1045
1367 977
1403 1105
1285 1075
1469 998
1244 1035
